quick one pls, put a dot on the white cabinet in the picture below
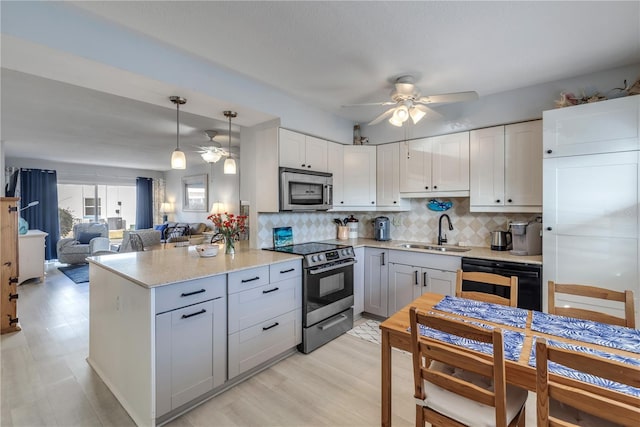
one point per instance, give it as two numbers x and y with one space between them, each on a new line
376 281
600 127
31 255
265 314
591 233
506 168
435 166
359 176
335 166
191 346
388 175
358 282
411 274
301 151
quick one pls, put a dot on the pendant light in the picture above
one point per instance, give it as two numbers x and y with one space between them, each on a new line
178 159
230 164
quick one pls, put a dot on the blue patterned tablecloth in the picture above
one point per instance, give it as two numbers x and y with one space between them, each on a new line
496 313
577 375
513 341
588 331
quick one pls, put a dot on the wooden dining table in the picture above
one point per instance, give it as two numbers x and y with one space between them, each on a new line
395 334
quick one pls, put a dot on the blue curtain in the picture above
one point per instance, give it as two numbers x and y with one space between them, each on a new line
144 203
42 186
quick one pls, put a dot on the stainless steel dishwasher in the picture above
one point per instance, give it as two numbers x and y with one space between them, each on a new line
529 280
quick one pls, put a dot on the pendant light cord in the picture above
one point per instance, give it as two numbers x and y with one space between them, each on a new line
178 125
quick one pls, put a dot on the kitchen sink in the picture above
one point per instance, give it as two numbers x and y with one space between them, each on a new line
434 247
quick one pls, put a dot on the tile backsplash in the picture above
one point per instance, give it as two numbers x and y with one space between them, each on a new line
419 224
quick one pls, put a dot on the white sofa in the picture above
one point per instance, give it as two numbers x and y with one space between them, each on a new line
88 238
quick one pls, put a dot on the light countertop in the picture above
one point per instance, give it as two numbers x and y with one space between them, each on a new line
171 265
475 252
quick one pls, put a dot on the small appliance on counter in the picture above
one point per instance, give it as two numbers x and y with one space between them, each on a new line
352 223
381 228
501 240
527 238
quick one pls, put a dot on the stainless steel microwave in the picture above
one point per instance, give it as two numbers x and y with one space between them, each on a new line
302 190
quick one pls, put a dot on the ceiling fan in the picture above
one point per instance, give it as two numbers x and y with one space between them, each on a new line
409 103
214 151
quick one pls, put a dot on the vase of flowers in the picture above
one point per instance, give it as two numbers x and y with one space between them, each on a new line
229 226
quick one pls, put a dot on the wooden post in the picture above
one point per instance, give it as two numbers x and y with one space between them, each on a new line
9 264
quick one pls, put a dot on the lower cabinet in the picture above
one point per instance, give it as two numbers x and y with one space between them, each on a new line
265 314
376 281
191 350
408 282
358 283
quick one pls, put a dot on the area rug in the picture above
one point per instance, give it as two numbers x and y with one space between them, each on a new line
368 331
78 273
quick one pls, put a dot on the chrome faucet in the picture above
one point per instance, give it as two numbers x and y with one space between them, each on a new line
441 239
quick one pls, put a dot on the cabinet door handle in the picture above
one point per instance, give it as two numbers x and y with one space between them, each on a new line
270 290
426 188
498 201
382 258
435 187
549 228
287 271
188 294
186 316
425 279
415 276
549 151
269 327
510 201
250 280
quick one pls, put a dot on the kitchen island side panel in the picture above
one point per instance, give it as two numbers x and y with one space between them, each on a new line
120 341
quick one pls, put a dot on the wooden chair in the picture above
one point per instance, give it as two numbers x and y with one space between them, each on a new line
492 279
458 387
584 397
625 297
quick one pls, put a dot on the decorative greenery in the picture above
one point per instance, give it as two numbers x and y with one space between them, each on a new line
67 220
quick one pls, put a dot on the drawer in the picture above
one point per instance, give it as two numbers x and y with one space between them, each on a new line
191 292
253 306
285 270
248 279
252 346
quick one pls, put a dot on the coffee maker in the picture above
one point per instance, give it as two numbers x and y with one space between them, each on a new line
381 228
527 238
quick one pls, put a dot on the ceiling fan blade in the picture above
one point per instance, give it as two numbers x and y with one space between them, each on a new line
431 113
448 98
370 103
381 117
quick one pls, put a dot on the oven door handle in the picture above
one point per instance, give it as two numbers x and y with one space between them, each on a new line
332 323
318 270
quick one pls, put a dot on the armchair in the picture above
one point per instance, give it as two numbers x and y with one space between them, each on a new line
87 239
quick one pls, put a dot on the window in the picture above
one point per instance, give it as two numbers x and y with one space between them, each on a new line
90 207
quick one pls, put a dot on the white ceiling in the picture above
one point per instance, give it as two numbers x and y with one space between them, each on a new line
326 53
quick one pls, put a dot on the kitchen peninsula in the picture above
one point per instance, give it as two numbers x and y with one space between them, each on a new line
158 324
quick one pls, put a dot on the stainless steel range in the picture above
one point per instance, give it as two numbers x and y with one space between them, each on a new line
327 291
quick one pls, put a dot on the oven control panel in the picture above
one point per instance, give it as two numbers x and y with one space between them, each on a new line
322 258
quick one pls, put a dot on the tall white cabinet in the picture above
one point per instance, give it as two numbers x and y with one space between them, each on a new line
591 181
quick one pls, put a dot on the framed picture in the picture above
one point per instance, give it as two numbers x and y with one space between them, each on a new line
195 190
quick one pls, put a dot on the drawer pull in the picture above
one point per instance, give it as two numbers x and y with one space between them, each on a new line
270 290
250 280
186 316
287 271
334 322
188 294
269 327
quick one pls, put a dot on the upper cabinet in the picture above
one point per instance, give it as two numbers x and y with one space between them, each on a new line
335 166
301 151
506 168
388 175
599 127
435 166
359 176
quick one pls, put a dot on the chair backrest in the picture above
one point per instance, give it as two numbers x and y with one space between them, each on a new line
135 242
425 350
90 227
583 396
625 297
488 278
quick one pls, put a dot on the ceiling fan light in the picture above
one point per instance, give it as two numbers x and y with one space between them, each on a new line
178 159
417 112
401 113
211 156
230 167
394 121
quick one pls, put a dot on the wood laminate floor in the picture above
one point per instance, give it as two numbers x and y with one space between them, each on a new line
46 380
